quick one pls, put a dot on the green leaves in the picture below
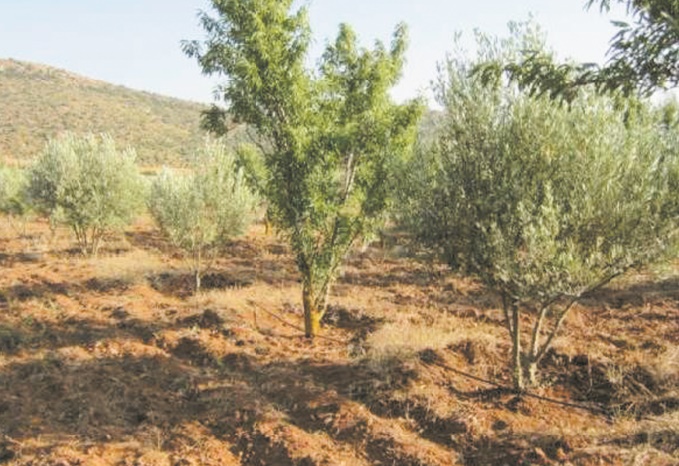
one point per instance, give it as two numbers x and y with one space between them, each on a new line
330 136
542 200
199 211
86 183
13 185
643 57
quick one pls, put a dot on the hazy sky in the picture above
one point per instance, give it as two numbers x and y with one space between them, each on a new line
136 42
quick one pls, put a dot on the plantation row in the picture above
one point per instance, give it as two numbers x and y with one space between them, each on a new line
544 201
544 181
89 185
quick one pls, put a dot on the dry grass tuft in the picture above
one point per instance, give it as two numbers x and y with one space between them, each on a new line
409 334
130 268
665 368
257 295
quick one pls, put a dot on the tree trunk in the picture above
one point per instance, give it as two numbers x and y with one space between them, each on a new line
197 276
517 366
197 264
313 313
530 370
96 242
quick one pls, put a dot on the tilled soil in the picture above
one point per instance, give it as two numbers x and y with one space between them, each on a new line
113 361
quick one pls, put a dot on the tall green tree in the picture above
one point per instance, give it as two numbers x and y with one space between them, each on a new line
330 136
544 203
643 56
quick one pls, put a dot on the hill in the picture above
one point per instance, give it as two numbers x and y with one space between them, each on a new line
39 101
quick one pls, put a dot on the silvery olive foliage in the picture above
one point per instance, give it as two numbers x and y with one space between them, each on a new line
12 190
543 202
88 184
199 211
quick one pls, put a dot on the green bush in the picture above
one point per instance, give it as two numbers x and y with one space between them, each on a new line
199 211
14 202
13 197
543 202
87 184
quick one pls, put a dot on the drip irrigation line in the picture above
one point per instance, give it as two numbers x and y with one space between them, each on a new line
291 325
592 409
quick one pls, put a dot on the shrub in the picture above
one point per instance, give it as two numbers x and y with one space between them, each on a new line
199 211
87 184
13 199
543 202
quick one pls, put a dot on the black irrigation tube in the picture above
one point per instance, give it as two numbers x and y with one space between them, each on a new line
289 324
592 409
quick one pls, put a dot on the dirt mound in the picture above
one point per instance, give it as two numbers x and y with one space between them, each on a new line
206 319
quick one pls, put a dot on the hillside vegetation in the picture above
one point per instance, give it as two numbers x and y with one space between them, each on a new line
39 101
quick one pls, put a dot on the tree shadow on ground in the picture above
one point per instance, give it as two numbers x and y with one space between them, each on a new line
239 264
389 274
8 259
115 323
38 289
37 335
45 289
183 285
637 391
151 240
636 295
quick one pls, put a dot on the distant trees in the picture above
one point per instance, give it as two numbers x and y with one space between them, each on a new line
93 188
329 136
87 184
200 210
543 202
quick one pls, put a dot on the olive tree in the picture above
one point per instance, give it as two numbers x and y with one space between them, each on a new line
329 136
88 184
199 211
544 203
